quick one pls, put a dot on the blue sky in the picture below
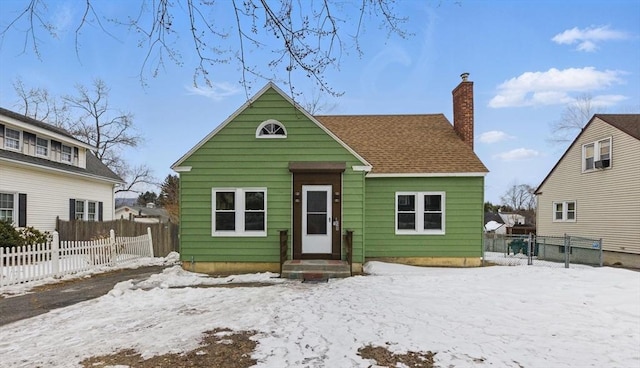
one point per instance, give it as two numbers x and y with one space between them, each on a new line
527 59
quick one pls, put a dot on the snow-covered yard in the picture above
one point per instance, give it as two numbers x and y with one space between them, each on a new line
524 316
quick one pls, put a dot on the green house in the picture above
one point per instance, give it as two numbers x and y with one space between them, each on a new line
274 183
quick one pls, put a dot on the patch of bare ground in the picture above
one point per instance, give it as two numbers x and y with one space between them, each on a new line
220 348
384 358
225 348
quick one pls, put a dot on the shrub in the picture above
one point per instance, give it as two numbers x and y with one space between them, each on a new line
12 237
9 236
31 236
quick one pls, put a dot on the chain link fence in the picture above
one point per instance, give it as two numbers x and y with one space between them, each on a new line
550 251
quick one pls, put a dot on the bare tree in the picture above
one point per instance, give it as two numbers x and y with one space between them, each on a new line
309 36
89 117
574 117
521 199
315 103
37 103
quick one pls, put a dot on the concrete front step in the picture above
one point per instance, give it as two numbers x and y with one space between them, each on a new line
315 269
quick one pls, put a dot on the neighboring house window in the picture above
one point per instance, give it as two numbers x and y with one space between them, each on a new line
239 212
42 147
85 210
66 153
7 207
564 211
11 138
91 211
596 155
79 210
271 129
420 212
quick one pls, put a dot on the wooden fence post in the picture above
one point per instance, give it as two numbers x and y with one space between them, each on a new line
55 254
150 242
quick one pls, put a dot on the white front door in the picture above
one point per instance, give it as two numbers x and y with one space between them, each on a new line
316 219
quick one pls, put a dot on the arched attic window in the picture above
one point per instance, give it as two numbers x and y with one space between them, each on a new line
271 129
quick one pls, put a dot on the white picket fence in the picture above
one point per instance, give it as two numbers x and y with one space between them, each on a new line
58 258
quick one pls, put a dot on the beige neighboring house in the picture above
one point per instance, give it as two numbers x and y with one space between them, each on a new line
47 173
146 214
594 189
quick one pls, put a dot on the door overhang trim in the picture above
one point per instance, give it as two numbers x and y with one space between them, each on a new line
317 166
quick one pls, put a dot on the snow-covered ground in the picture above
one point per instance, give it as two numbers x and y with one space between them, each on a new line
524 316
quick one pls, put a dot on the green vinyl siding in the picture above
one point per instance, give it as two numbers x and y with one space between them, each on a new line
463 218
235 158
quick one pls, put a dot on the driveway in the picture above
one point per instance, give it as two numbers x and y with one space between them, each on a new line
53 296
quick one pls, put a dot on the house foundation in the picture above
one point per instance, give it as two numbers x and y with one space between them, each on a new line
433 261
229 268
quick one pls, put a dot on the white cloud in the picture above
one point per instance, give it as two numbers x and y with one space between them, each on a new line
216 92
588 38
493 136
607 100
552 86
517 154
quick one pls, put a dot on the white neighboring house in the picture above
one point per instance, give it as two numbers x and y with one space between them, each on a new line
47 173
145 214
500 223
594 189
511 219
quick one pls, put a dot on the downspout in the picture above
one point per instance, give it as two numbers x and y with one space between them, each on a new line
364 213
364 170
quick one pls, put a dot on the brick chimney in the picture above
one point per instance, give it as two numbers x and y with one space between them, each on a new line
463 110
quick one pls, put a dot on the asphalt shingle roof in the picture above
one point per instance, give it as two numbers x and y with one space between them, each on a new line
628 123
94 166
405 144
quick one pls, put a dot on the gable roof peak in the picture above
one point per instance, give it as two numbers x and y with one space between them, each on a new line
628 123
269 85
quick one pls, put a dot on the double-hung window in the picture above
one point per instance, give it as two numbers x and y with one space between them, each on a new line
85 210
66 153
239 212
7 207
420 213
42 147
564 211
80 210
92 211
596 155
11 139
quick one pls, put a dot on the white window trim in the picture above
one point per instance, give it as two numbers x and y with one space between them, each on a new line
85 213
95 210
565 210
48 147
239 211
62 153
419 200
596 154
15 206
271 136
12 139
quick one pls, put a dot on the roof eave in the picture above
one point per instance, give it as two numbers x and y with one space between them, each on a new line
48 168
37 129
426 175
